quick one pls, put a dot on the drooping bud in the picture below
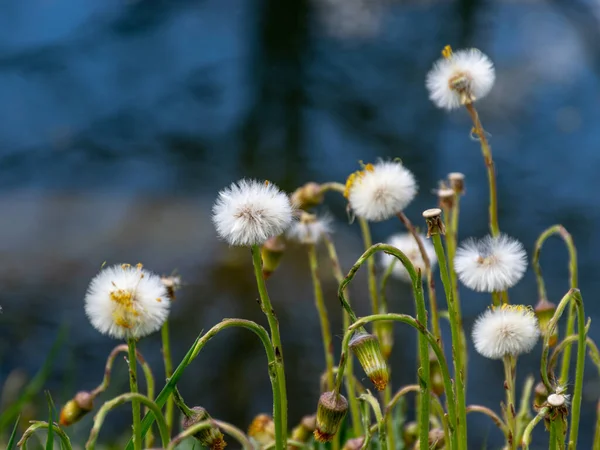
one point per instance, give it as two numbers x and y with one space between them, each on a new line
457 182
410 433
331 411
262 429
307 196
435 371
209 437
368 352
271 253
303 430
544 310
354 444
385 332
540 393
76 408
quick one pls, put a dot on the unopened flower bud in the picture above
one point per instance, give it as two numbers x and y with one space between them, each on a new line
385 332
544 310
354 444
271 253
76 408
445 198
331 411
435 225
540 393
457 182
262 429
209 437
303 430
410 433
307 196
437 380
368 352
436 438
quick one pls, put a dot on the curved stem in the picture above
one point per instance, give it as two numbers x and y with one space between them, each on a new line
280 419
529 428
133 386
166 352
535 262
228 429
35 425
489 164
456 341
590 344
323 317
117 401
379 418
450 398
372 278
349 380
491 414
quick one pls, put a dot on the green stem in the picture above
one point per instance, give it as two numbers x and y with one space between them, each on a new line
510 412
368 242
489 164
379 418
523 413
535 262
560 432
166 351
596 445
133 386
450 398
349 380
117 401
491 414
456 341
265 302
64 439
323 317
529 428
593 352
553 435
228 429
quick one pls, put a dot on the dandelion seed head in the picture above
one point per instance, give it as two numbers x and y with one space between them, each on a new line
249 212
380 190
310 229
491 264
125 301
460 78
405 242
506 330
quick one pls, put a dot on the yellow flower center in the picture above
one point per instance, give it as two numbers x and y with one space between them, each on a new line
125 313
523 309
447 52
357 176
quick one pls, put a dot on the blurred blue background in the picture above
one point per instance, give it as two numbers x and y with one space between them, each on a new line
120 121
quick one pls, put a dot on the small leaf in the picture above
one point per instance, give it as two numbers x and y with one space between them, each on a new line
13 435
50 438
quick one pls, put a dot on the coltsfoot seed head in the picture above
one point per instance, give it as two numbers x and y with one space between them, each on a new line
406 243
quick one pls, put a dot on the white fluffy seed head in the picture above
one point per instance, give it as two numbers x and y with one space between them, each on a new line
506 330
492 264
310 229
123 302
460 78
249 212
380 190
405 242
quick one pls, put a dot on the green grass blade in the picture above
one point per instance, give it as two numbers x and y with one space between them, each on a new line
50 437
13 435
36 383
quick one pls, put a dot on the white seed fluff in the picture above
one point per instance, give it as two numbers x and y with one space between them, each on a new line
381 190
127 302
466 76
310 229
490 264
507 330
249 212
405 242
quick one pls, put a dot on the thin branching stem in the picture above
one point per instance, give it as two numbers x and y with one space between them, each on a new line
168 363
491 414
529 428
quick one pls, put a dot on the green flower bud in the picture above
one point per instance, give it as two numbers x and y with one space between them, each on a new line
209 437
540 394
385 333
410 433
302 432
331 411
368 352
544 310
437 379
76 408
271 253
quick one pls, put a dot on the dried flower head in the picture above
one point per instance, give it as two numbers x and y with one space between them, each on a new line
127 301
491 264
249 212
380 190
405 242
460 78
506 330
309 229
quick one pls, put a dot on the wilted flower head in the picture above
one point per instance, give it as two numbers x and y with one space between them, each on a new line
249 212
505 330
309 229
491 264
380 190
460 78
127 302
405 242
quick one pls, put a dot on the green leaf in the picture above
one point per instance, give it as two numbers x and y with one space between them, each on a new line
13 435
50 437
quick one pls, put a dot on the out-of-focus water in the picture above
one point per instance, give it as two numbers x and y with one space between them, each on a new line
122 119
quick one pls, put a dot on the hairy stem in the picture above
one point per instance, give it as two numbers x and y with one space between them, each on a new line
135 404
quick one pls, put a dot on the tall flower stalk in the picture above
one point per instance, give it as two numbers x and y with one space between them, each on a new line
133 387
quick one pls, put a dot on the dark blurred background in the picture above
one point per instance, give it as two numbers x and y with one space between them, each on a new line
120 121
